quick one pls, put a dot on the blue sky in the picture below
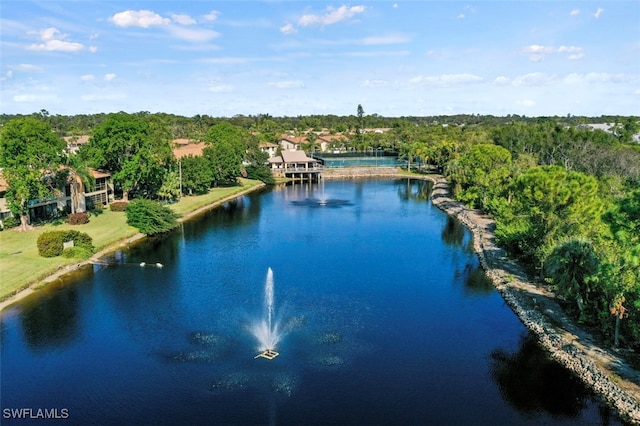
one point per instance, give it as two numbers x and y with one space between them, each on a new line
395 58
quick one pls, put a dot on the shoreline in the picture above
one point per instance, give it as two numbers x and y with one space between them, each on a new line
111 248
604 371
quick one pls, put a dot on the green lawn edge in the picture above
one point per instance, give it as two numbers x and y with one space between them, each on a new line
21 267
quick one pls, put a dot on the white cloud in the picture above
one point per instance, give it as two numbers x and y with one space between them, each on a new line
331 16
53 41
395 5
7 76
93 49
575 12
193 34
447 80
576 56
87 77
598 13
290 84
26 68
228 60
569 49
461 16
374 83
288 29
537 49
534 79
138 18
109 77
34 98
393 39
182 19
537 52
501 81
594 77
211 16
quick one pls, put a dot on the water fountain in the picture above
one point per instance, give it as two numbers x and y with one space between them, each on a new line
266 331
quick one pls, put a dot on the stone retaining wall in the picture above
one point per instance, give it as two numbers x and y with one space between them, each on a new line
571 348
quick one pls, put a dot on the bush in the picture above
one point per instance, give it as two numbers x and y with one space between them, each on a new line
78 218
261 173
76 253
10 222
150 217
51 243
118 206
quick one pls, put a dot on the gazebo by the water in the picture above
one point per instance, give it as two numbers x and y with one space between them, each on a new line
295 164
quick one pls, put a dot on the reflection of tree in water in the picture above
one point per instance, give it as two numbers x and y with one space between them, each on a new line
52 321
453 232
531 382
477 282
415 189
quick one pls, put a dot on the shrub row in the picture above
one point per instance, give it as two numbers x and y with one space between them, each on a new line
51 243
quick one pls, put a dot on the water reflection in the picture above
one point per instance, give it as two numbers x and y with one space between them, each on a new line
532 383
415 189
453 232
477 283
52 321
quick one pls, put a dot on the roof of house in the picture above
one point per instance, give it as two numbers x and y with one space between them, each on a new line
268 145
297 157
194 149
294 139
97 174
77 139
3 183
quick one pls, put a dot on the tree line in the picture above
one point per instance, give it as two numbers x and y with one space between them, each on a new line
135 148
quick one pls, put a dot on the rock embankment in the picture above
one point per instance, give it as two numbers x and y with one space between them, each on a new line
604 371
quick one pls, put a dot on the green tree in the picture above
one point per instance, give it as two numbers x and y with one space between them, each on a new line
621 271
570 267
549 204
226 147
196 175
136 152
30 158
482 173
170 188
150 217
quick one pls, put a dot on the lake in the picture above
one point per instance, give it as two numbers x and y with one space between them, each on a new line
383 317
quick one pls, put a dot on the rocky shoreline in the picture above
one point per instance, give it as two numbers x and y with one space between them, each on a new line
604 371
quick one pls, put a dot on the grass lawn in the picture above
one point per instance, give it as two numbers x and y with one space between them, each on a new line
21 266
191 203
